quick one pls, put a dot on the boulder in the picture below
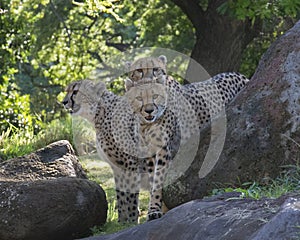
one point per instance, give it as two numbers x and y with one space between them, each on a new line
62 208
263 132
46 195
225 217
55 160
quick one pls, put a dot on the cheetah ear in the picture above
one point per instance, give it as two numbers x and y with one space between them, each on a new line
99 89
127 66
163 58
87 87
128 84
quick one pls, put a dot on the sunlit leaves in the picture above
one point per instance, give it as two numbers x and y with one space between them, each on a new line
44 45
272 15
164 25
260 9
96 7
14 109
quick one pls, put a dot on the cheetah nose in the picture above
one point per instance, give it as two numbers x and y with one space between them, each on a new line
149 109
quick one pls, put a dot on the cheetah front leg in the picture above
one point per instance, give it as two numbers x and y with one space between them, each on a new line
127 191
157 169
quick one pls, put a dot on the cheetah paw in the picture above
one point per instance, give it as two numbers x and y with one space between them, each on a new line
154 215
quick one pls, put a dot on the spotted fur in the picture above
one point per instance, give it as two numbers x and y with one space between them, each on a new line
207 98
123 141
193 105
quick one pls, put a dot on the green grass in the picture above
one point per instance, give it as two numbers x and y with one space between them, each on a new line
288 181
17 142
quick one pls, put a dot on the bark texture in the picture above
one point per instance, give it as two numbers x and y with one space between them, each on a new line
220 39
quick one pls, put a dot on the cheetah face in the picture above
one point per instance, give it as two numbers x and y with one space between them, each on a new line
70 101
148 69
149 101
82 97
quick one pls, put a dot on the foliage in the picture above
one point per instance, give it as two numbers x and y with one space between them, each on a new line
46 44
162 24
43 48
261 9
14 109
276 18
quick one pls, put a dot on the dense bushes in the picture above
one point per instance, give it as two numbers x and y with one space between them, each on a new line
14 109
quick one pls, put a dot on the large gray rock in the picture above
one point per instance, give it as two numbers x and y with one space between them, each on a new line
55 160
263 132
222 217
46 195
62 208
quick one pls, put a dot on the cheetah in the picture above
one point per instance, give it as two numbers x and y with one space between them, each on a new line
148 125
96 104
122 140
161 130
208 98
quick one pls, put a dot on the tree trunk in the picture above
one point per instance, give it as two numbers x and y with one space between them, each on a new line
220 39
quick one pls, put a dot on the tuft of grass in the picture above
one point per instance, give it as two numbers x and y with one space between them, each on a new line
58 129
288 181
14 142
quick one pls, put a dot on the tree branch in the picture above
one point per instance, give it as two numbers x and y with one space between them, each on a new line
119 46
100 60
193 11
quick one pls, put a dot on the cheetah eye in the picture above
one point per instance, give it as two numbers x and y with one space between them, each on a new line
155 96
75 92
137 74
139 98
155 71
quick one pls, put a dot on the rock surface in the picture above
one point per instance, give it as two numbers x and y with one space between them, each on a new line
45 195
263 128
62 208
55 160
223 217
